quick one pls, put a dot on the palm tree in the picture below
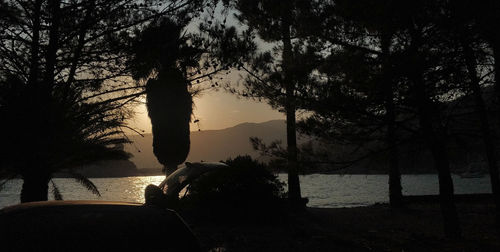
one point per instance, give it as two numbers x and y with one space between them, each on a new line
169 106
70 136
158 58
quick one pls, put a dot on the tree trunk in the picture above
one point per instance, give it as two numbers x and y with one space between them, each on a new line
293 177
51 53
45 98
486 132
446 192
35 188
395 194
35 44
434 137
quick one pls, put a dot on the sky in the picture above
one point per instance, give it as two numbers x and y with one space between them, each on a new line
216 110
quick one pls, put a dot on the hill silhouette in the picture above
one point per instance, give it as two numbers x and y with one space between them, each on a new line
217 145
211 145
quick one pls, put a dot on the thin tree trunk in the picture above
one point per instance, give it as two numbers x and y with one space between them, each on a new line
51 54
435 138
293 176
35 188
395 194
486 132
35 44
446 192
44 119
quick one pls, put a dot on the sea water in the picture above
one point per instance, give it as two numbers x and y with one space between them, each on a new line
321 190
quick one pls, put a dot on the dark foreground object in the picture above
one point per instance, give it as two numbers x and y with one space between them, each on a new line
417 227
93 226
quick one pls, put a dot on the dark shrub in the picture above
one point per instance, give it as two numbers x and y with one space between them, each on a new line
246 188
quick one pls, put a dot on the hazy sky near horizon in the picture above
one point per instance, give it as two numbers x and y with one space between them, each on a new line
216 110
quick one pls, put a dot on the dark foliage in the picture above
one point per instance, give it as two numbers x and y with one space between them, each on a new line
169 107
63 84
381 78
161 57
246 189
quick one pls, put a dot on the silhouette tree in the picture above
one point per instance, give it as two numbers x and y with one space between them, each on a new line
277 81
424 56
465 25
483 15
159 51
377 22
371 70
365 71
172 59
64 86
170 106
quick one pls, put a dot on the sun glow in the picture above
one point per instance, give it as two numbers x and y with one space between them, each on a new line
215 110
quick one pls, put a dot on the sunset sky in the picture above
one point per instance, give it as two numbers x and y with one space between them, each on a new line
217 110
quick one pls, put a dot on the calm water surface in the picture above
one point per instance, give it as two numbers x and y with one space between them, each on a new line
322 190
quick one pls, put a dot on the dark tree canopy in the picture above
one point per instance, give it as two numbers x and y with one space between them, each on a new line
380 78
169 107
65 85
161 55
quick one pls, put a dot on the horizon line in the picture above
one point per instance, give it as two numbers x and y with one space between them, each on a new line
192 131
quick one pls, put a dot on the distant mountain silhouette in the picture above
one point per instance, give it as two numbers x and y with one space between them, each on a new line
208 145
212 145
217 145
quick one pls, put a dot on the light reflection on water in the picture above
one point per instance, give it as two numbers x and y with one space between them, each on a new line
322 190
362 190
129 189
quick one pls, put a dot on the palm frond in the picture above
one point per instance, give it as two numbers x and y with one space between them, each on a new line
85 182
55 191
